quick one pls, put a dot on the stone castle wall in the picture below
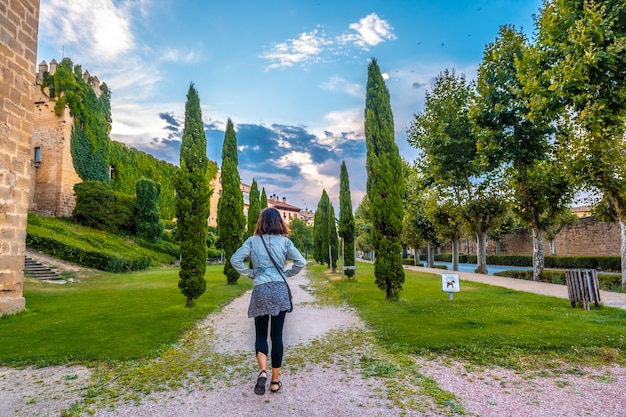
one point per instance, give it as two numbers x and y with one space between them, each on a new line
588 237
19 25
55 176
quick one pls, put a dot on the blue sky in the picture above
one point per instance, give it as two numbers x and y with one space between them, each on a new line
291 75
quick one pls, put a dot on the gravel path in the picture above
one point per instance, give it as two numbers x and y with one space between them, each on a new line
332 368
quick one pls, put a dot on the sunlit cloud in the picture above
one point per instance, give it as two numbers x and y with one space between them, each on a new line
370 31
310 47
99 29
305 48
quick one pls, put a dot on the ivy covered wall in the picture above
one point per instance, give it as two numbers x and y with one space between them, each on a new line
94 155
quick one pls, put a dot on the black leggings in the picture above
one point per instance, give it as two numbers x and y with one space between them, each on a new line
276 334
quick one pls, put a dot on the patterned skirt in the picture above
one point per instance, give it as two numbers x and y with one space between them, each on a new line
269 298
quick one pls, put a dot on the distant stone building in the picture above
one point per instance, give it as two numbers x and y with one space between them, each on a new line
19 26
287 211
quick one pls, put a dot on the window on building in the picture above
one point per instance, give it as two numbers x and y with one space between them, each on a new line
111 172
37 154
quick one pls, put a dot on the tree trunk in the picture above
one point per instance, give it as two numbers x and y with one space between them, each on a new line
623 229
538 259
481 252
497 247
430 253
416 255
552 247
189 301
456 243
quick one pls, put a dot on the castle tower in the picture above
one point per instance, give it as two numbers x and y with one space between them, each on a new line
19 24
55 176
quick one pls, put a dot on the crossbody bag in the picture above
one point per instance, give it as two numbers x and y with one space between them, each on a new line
280 271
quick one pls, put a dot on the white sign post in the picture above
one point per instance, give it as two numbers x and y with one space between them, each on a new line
450 284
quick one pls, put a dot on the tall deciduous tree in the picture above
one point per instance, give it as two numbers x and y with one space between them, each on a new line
301 236
346 219
254 207
444 133
230 219
541 189
385 184
582 78
192 201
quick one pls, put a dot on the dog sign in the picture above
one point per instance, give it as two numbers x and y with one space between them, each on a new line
450 283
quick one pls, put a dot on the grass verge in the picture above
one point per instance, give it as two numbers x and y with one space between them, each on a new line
484 324
107 317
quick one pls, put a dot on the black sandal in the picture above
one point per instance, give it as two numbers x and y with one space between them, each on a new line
280 384
259 388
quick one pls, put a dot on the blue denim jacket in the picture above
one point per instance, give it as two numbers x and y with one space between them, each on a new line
282 249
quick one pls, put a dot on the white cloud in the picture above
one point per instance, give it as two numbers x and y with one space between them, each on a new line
340 84
175 55
337 123
310 46
370 31
305 48
99 29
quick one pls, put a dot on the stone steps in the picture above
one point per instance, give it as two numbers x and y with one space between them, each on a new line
37 270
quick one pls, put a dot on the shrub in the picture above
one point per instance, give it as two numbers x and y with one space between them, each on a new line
99 207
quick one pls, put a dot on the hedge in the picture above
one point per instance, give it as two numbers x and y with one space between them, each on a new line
608 282
606 263
91 259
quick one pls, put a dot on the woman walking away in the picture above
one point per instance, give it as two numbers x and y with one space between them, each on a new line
268 250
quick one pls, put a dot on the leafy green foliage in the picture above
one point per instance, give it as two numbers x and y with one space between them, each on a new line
98 206
92 118
192 201
263 199
346 219
230 220
542 189
580 80
147 221
131 165
363 227
301 236
385 184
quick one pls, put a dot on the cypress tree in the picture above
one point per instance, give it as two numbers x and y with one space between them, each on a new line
385 184
230 219
192 201
333 239
346 219
254 208
263 199
325 242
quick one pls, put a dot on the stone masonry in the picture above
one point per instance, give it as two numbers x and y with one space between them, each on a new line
19 25
54 178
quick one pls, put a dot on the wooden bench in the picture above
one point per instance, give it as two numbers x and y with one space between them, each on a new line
582 287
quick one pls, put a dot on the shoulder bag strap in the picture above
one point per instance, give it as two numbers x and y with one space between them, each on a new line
280 271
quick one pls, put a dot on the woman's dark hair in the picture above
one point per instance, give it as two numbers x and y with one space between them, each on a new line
270 223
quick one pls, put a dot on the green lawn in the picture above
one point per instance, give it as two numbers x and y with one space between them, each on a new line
107 317
480 320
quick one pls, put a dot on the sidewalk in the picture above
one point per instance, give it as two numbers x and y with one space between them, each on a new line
607 298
